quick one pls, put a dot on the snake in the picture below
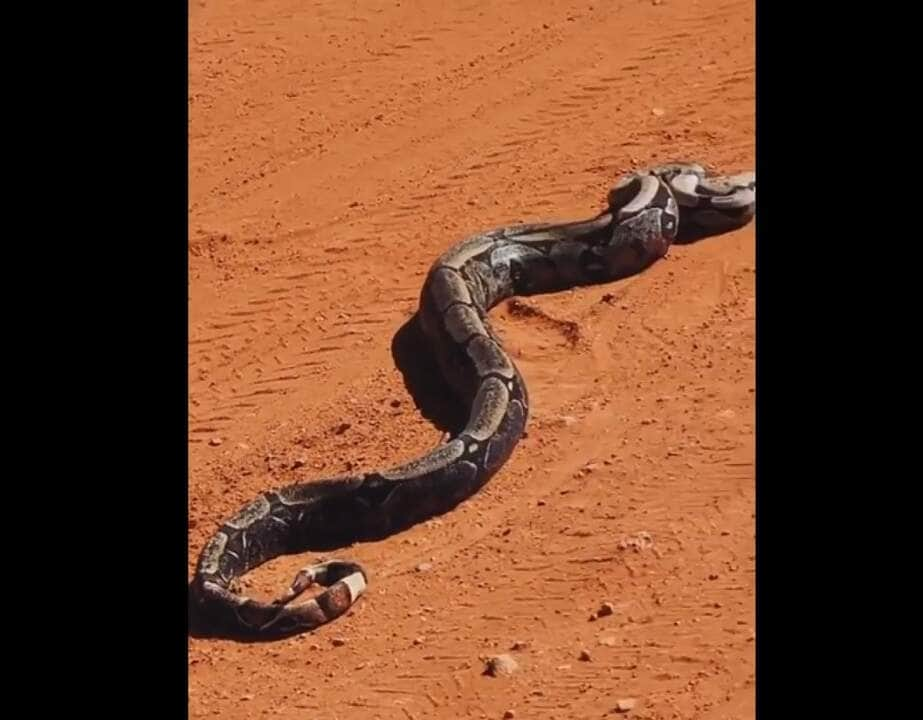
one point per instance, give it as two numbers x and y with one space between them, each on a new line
647 210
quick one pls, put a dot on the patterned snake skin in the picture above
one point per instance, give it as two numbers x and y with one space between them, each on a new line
647 211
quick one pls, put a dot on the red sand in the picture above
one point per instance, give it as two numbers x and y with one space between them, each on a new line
336 149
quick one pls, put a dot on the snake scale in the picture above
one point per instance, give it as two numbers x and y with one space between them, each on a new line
646 212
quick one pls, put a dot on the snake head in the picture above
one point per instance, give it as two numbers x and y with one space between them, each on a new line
645 221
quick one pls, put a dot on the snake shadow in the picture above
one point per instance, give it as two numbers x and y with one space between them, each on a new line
689 233
201 627
434 397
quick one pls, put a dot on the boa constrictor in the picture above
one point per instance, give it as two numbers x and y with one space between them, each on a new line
647 211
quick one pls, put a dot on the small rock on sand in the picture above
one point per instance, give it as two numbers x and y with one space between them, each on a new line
605 609
624 706
501 665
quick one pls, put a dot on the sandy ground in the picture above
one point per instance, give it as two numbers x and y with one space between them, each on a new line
336 148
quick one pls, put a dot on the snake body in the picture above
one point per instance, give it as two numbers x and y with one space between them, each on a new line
646 212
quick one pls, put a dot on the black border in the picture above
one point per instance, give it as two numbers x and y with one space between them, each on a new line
109 595
808 243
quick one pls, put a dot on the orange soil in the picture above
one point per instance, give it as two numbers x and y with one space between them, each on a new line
336 148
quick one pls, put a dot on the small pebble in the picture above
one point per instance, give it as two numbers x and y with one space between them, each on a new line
509 715
338 642
637 542
584 656
424 567
625 705
608 641
657 112
605 609
501 665
215 441
519 645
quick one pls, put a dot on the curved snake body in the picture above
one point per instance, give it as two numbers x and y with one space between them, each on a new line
647 210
